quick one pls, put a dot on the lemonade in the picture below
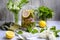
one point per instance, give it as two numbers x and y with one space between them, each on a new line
28 19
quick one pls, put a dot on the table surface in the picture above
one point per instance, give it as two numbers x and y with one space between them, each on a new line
49 24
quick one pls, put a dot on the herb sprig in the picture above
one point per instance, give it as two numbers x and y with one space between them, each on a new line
15 6
44 13
53 28
55 31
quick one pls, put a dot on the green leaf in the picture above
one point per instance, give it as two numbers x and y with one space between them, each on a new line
53 28
56 34
20 32
55 31
58 30
23 2
34 31
29 29
42 30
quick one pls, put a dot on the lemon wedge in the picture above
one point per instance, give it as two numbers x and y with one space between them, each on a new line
10 34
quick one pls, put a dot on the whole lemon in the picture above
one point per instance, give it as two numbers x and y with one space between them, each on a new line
42 24
10 34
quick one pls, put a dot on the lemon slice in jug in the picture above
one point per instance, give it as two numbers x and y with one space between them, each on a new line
25 13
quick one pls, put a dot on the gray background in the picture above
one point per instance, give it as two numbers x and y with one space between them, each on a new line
6 15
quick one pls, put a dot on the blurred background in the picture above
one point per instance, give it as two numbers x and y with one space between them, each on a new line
7 16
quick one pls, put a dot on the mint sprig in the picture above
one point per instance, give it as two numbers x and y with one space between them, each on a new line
55 31
44 13
15 7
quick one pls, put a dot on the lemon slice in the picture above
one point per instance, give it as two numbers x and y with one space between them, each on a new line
10 34
42 24
26 13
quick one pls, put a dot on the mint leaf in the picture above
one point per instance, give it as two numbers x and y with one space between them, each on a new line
53 28
29 29
34 31
20 32
58 30
23 2
42 30
56 34
55 31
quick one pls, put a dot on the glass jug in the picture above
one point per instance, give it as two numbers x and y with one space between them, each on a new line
28 17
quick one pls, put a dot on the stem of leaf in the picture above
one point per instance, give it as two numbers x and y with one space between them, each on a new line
16 17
